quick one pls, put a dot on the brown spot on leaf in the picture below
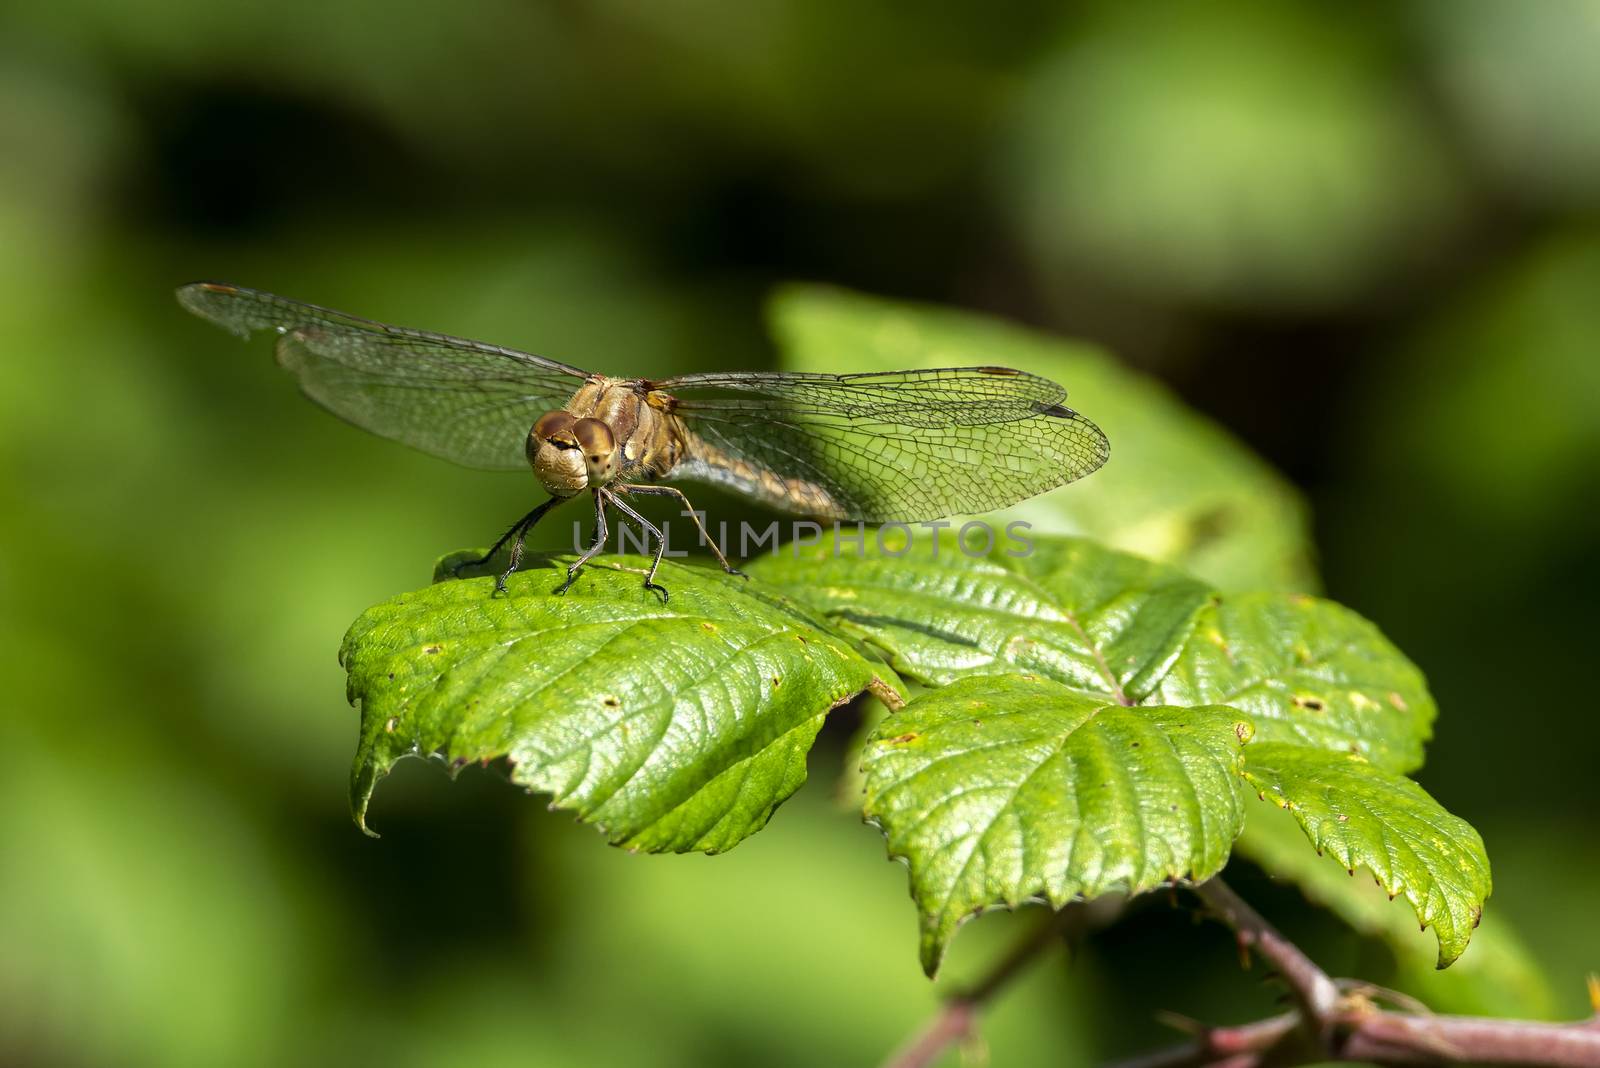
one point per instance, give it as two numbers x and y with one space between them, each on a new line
432 649
1313 704
777 680
610 701
1398 701
902 739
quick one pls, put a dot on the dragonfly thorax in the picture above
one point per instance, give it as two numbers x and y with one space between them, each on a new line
570 455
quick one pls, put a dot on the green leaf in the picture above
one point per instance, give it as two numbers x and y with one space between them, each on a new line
1178 487
1076 612
1004 789
1306 670
1116 629
671 727
1497 975
1300 668
1364 816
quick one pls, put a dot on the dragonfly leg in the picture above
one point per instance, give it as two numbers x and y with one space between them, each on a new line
521 531
518 530
600 535
661 544
689 508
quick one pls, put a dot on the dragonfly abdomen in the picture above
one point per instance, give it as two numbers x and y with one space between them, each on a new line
705 462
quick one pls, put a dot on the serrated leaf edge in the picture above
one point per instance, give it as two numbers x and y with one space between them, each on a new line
1426 909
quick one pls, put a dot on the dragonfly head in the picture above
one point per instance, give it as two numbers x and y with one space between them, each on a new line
569 455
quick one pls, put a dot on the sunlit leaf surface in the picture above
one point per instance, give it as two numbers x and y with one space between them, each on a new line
1086 640
1301 668
671 727
1000 790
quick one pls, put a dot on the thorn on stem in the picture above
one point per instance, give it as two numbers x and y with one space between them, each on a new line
1178 1022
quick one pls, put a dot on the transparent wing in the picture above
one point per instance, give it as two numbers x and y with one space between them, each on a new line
906 446
462 400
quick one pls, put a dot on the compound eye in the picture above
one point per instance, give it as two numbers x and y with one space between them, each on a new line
552 423
595 439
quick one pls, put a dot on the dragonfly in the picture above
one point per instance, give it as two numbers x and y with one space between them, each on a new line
873 447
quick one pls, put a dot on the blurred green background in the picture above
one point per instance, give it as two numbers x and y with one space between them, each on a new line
1363 237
